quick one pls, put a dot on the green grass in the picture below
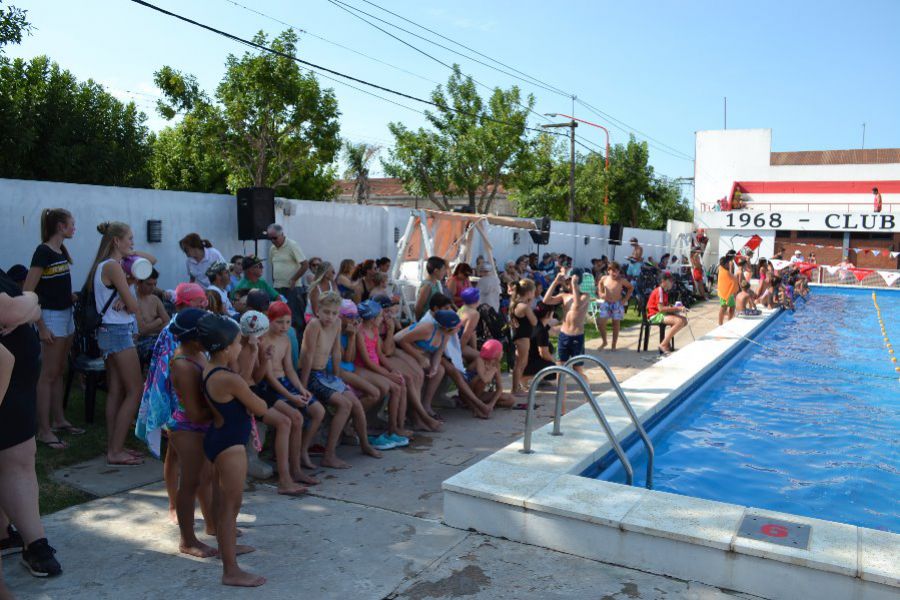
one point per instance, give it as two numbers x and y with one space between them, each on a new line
56 496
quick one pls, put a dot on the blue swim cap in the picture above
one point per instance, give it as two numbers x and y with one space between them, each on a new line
368 310
470 295
446 319
184 325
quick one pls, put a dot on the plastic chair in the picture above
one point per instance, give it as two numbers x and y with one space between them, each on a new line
94 371
589 287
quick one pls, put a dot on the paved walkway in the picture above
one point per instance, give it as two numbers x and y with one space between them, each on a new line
368 533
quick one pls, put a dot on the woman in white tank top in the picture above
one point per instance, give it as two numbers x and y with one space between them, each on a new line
115 337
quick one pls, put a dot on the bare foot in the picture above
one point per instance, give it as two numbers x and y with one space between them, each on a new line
302 477
408 433
367 449
665 351
243 549
291 489
198 549
243 579
173 516
603 345
334 463
123 459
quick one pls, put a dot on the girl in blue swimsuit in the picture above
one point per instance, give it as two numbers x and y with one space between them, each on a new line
232 403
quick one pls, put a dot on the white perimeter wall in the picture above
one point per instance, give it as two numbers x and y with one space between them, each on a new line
331 230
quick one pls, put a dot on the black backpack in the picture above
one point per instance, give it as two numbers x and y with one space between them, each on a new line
88 321
491 325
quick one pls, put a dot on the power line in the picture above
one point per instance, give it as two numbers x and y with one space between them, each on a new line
470 49
318 68
326 40
629 129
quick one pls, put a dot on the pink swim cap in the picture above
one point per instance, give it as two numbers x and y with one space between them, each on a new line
491 350
348 308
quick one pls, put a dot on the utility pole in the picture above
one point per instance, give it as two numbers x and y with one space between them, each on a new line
725 113
864 136
571 125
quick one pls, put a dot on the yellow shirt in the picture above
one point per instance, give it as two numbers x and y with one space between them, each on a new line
284 262
727 285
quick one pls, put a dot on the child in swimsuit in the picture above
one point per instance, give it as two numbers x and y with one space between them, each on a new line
321 341
369 363
186 430
289 402
232 404
483 373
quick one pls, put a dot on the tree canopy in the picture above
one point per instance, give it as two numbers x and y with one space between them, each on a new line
469 148
270 124
55 128
13 25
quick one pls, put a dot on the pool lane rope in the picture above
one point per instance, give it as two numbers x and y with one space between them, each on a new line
884 334
801 358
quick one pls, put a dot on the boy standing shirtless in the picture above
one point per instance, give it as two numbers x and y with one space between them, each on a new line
613 305
321 342
575 304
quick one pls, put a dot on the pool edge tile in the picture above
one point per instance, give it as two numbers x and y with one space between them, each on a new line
875 547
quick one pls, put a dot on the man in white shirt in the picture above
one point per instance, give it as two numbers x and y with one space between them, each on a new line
287 264
488 286
797 257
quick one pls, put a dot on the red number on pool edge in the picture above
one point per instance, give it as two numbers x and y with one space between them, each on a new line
772 530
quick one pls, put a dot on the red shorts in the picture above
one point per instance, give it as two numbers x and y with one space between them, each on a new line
698 275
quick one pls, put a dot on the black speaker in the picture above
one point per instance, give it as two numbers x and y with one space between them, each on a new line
255 212
541 237
615 234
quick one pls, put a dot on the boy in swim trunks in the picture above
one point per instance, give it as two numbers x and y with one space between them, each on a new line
610 290
659 311
288 400
575 303
321 341
744 301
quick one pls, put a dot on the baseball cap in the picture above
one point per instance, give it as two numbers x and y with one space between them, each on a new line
250 261
216 332
185 293
254 323
216 268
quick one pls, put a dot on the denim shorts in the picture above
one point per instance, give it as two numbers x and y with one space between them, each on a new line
113 338
59 322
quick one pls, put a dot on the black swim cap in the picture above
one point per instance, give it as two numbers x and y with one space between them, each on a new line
184 325
216 332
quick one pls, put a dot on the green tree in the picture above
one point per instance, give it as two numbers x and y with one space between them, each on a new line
271 124
664 202
13 25
468 150
53 127
359 157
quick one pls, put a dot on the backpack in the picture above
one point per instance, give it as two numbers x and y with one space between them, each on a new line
88 321
491 325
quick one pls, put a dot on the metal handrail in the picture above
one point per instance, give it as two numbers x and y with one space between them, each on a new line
625 403
529 415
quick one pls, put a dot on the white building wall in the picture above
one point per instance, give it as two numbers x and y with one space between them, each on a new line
332 231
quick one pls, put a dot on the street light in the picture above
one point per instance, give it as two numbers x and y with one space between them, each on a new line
605 179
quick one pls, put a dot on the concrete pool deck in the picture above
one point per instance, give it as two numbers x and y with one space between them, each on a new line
540 499
372 532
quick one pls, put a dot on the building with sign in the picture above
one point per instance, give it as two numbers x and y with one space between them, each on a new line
818 202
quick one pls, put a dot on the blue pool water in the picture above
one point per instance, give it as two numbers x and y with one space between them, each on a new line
771 431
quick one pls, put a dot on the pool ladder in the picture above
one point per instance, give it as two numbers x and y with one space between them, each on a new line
567 369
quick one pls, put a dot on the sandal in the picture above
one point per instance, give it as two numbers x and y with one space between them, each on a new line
68 430
56 444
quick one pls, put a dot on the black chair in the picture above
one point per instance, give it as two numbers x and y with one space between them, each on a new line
94 371
644 333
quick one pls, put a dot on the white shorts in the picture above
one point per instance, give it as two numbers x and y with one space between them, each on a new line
59 322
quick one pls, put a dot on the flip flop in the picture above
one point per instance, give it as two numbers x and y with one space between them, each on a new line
68 430
524 406
132 462
56 444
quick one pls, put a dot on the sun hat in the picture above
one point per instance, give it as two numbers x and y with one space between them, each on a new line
385 301
185 293
216 268
254 323
216 332
470 295
277 310
491 350
446 319
368 309
348 308
184 325
797 253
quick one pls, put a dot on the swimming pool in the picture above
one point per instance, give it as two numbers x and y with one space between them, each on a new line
773 431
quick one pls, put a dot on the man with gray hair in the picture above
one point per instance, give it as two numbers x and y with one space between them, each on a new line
287 264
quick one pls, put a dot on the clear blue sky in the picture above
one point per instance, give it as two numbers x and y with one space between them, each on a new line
812 70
